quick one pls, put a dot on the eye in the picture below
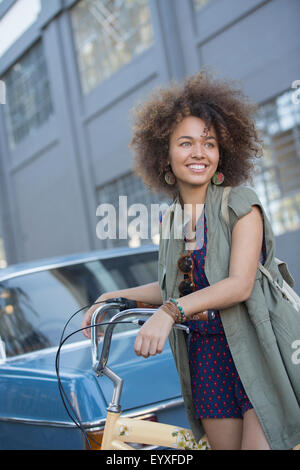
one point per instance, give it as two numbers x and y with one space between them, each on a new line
183 144
209 144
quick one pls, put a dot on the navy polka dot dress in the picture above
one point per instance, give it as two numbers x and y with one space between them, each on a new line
217 390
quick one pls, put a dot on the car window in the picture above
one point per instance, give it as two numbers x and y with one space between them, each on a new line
35 307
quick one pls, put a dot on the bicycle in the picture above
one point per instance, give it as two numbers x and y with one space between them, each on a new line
118 430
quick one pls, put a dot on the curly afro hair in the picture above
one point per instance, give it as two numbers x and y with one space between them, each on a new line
216 102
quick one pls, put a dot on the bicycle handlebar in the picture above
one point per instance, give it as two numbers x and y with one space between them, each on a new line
100 364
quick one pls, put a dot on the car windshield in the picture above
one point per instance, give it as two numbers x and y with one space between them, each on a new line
35 307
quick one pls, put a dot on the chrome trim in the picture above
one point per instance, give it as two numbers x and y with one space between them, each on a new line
2 352
100 363
150 448
85 343
97 425
100 255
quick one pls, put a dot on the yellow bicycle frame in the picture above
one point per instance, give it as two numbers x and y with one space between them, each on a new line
119 431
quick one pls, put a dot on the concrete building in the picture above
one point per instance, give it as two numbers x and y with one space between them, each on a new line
71 70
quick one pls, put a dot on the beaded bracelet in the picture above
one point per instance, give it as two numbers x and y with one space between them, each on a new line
183 317
167 307
172 308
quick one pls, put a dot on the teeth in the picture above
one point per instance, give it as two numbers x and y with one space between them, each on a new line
196 167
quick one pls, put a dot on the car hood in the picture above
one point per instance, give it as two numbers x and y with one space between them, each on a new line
29 386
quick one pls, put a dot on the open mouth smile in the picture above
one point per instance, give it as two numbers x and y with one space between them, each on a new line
197 168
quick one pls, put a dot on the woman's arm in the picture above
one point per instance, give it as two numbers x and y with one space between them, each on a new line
148 293
247 237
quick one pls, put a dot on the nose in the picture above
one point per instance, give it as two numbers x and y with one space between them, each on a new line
197 150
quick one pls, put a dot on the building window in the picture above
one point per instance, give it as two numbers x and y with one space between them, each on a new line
278 173
28 99
18 19
136 193
107 35
201 3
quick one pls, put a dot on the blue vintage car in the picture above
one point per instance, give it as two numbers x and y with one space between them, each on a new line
36 300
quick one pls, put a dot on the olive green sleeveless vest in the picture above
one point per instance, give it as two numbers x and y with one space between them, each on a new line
261 332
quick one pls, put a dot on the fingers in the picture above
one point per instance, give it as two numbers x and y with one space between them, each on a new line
141 345
147 346
160 345
145 349
86 322
87 332
153 334
153 350
137 345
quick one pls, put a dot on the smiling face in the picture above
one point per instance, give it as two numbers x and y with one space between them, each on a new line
193 152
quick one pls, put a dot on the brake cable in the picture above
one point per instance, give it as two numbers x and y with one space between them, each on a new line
124 304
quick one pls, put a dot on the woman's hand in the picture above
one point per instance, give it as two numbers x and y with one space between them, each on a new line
89 313
153 334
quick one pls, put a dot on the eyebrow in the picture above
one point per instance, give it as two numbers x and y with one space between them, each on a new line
189 137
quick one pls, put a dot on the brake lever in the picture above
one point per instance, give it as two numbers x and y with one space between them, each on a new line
124 304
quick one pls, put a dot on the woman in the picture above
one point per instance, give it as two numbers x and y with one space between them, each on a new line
191 141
